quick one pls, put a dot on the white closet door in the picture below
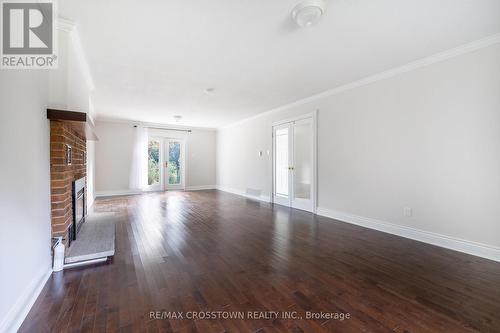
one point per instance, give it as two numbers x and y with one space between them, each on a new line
302 167
174 164
282 160
293 164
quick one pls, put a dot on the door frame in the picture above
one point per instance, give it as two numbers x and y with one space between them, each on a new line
163 138
314 185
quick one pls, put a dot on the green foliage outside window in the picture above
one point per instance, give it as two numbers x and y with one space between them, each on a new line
153 162
174 163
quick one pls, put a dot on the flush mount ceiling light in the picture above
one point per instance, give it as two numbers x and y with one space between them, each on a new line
308 13
177 118
209 90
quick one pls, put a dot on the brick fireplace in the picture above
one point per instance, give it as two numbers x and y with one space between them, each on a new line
67 164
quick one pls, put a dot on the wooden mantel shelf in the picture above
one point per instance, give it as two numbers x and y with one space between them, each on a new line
87 126
64 115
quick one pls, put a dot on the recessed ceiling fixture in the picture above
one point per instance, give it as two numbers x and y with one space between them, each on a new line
308 13
177 118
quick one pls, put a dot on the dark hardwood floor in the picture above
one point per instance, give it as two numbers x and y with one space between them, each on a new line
212 251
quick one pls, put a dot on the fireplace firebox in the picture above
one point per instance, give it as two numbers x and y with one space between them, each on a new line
79 208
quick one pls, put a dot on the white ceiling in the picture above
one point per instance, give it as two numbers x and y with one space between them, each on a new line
151 60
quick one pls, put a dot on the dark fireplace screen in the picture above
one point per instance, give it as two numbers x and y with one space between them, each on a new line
79 207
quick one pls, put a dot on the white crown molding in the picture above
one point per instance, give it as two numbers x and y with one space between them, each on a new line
438 57
263 198
461 245
65 25
18 312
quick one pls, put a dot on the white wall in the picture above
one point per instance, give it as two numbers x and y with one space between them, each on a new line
25 229
70 88
239 166
428 139
25 237
70 85
200 159
90 173
114 157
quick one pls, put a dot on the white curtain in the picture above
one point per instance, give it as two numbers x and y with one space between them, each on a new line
139 168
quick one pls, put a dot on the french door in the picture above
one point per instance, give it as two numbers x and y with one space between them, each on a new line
293 164
166 164
174 164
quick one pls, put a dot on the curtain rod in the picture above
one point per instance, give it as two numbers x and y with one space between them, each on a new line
168 129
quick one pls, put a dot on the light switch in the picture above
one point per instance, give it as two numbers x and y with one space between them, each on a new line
407 212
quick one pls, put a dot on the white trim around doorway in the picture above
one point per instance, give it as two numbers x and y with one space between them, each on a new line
314 116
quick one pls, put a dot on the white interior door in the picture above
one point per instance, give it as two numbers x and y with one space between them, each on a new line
302 166
282 164
174 170
293 164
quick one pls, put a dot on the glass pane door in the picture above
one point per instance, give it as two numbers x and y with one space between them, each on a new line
154 162
293 166
174 163
174 166
282 161
302 169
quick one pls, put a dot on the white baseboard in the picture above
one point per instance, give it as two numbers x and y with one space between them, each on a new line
100 194
264 198
16 315
200 187
461 245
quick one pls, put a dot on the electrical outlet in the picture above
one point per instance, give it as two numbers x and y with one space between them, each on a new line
407 212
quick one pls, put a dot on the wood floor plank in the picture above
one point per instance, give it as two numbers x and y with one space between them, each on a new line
209 252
